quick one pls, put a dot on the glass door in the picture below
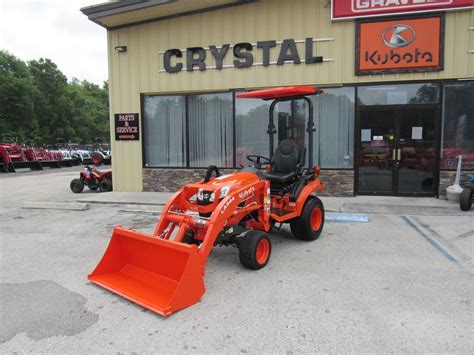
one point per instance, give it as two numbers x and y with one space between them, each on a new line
417 151
377 145
397 151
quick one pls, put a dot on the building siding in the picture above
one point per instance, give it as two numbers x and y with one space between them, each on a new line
138 70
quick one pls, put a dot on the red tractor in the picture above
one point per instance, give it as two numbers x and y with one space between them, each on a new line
93 179
164 272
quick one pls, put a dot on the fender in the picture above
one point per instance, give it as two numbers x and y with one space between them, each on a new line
309 190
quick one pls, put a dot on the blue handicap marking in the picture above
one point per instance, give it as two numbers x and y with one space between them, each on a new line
347 217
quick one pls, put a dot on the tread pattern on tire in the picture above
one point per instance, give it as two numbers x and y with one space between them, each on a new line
106 186
248 248
466 199
301 228
76 182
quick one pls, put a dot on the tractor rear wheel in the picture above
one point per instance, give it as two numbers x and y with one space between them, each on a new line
311 222
105 186
77 186
466 199
255 249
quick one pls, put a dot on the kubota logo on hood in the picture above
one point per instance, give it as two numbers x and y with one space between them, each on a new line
398 36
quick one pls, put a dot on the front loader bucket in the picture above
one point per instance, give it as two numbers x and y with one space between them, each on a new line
161 275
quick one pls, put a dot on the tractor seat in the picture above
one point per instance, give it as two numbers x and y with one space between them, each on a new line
285 163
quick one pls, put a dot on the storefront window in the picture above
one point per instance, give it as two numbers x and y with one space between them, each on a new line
164 131
210 130
458 125
405 94
251 124
334 136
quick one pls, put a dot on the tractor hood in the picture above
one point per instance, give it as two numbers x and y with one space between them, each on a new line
235 181
226 184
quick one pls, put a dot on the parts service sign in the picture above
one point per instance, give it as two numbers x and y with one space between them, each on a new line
127 127
400 46
347 9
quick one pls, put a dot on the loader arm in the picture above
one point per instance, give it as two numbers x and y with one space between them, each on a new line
228 209
224 213
165 274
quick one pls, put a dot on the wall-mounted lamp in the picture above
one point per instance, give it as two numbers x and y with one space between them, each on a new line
121 49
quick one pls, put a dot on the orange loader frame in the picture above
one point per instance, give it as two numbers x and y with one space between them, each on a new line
164 272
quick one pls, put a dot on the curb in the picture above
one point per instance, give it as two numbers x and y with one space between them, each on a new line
70 206
99 202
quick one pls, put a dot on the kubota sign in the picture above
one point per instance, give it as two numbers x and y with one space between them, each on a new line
345 9
405 45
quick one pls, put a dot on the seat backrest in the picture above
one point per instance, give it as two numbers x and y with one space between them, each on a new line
286 157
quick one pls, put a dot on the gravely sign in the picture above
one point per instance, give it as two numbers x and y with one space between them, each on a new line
346 9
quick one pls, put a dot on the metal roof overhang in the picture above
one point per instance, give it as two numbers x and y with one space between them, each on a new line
124 13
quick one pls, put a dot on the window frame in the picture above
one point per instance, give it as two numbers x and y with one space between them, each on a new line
234 138
443 85
186 124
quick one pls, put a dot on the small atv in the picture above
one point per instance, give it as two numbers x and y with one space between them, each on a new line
93 179
467 195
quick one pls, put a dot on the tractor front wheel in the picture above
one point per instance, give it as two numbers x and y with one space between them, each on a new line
254 250
311 222
466 199
77 186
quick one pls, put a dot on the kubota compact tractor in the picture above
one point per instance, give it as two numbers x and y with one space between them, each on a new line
164 272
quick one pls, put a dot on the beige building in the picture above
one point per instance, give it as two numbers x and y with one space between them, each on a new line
396 109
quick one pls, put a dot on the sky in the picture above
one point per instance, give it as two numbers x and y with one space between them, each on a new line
55 29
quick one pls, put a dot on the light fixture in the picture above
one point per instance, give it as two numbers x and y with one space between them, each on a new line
121 49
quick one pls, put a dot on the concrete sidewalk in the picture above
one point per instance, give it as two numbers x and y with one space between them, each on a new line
359 204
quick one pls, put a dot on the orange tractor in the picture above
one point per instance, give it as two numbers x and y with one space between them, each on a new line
164 272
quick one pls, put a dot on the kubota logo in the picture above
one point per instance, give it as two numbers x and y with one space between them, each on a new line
398 36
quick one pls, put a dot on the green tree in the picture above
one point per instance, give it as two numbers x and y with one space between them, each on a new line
17 118
37 102
51 104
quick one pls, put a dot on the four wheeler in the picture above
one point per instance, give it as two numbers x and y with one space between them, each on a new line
93 179
467 195
164 272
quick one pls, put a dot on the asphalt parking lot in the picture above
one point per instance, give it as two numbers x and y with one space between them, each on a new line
400 283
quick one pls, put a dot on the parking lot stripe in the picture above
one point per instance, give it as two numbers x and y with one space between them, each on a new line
428 239
347 217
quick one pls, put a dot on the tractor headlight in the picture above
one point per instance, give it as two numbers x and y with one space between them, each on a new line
200 194
224 192
210 196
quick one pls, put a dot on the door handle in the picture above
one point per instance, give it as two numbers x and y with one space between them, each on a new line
399 154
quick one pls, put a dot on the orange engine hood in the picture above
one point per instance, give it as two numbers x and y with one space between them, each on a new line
235 181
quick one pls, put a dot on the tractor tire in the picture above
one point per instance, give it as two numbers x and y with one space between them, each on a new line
466 199
105 186
77 186
311 222
97 158
255 249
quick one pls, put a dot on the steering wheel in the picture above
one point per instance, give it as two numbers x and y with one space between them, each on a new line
256 160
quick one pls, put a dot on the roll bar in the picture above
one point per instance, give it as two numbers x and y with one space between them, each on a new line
310 128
